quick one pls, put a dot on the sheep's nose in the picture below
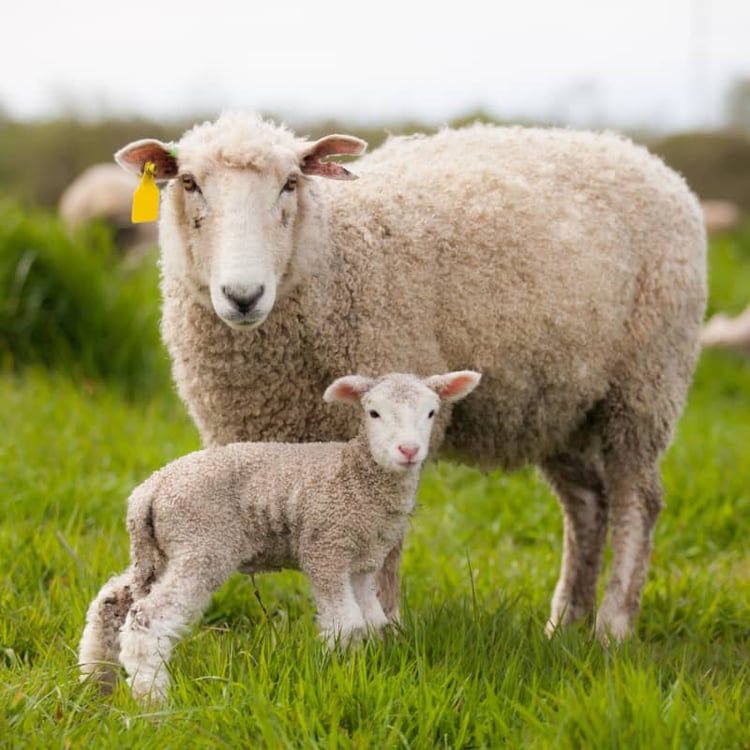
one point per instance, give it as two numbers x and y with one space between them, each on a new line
408 450
243 298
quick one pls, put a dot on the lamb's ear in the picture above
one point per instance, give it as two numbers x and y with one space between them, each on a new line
331 145
133 157
453 386
348 389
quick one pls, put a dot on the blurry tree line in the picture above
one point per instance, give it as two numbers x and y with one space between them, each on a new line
38 160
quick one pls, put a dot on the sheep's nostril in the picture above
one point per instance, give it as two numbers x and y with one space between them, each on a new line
243 299
408 450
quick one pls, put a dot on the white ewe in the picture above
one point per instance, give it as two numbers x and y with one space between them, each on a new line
567 267
332 510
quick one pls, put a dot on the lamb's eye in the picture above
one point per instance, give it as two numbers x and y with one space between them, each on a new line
189 183
291 184
374 414
431 414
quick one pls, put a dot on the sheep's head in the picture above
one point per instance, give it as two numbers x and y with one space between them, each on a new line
237 189
399 411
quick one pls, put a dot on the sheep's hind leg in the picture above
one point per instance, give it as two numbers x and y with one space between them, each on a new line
636 503
99 650
581 491
157 621
388 588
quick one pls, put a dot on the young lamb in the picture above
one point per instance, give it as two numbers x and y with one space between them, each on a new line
331 510
567 267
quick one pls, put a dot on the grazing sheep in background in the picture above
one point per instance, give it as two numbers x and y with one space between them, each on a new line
105 192
723 332
567 267
332 510
720 216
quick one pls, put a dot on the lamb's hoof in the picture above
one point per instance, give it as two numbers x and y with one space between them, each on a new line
613 627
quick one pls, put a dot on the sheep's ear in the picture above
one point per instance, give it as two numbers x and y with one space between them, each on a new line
331 145
453 386
348 389
133 157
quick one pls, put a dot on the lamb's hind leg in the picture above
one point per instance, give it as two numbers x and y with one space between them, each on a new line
156 622
98 652
580 488
636 502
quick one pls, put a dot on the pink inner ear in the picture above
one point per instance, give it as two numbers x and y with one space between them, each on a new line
326 169
138 154
345 392
455 386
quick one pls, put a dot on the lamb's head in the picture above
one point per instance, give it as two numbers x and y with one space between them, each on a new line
235 208
399 411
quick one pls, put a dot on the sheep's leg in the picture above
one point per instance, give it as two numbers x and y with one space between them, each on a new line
155 622
339 615
99 649
635 507
581 492
388 589
364 586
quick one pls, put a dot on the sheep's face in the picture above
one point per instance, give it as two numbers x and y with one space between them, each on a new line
239 225
232 208
399 411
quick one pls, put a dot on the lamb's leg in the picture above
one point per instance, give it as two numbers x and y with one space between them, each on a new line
388 590
99 649
339 615
364 586
155 623
580 489
636 503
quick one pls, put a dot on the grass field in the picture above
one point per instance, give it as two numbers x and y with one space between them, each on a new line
470 666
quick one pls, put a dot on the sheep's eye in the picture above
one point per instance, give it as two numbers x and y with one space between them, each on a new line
374 414
291 184
431 414
189 183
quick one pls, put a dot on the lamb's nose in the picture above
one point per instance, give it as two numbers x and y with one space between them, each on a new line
408 450
243 298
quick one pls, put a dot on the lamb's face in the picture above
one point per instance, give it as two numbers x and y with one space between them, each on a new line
239 232
399 411
399 415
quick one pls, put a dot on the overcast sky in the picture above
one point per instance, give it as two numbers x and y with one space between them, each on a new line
663 63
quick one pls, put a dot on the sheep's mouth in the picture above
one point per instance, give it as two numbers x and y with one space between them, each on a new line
245 322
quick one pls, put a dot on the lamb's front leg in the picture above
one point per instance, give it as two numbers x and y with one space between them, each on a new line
339 615
365 592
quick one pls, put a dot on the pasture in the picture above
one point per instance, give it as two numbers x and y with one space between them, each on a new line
88 411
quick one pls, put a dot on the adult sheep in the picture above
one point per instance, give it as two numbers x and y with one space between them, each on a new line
567 267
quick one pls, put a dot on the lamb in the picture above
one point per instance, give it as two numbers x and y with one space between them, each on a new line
332 510
567 267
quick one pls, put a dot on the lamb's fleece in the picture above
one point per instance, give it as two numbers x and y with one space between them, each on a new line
332 510
568 267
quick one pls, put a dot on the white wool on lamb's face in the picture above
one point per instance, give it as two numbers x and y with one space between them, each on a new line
400 410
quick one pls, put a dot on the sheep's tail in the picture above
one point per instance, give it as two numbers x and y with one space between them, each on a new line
99 650
147 558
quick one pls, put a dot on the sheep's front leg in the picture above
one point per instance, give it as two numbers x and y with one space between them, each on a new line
388 588
635 507
364 586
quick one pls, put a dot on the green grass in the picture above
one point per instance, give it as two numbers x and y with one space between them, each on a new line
470 666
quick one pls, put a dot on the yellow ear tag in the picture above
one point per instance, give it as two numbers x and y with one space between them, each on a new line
146 197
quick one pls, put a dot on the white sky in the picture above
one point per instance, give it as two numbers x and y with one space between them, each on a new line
663 63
